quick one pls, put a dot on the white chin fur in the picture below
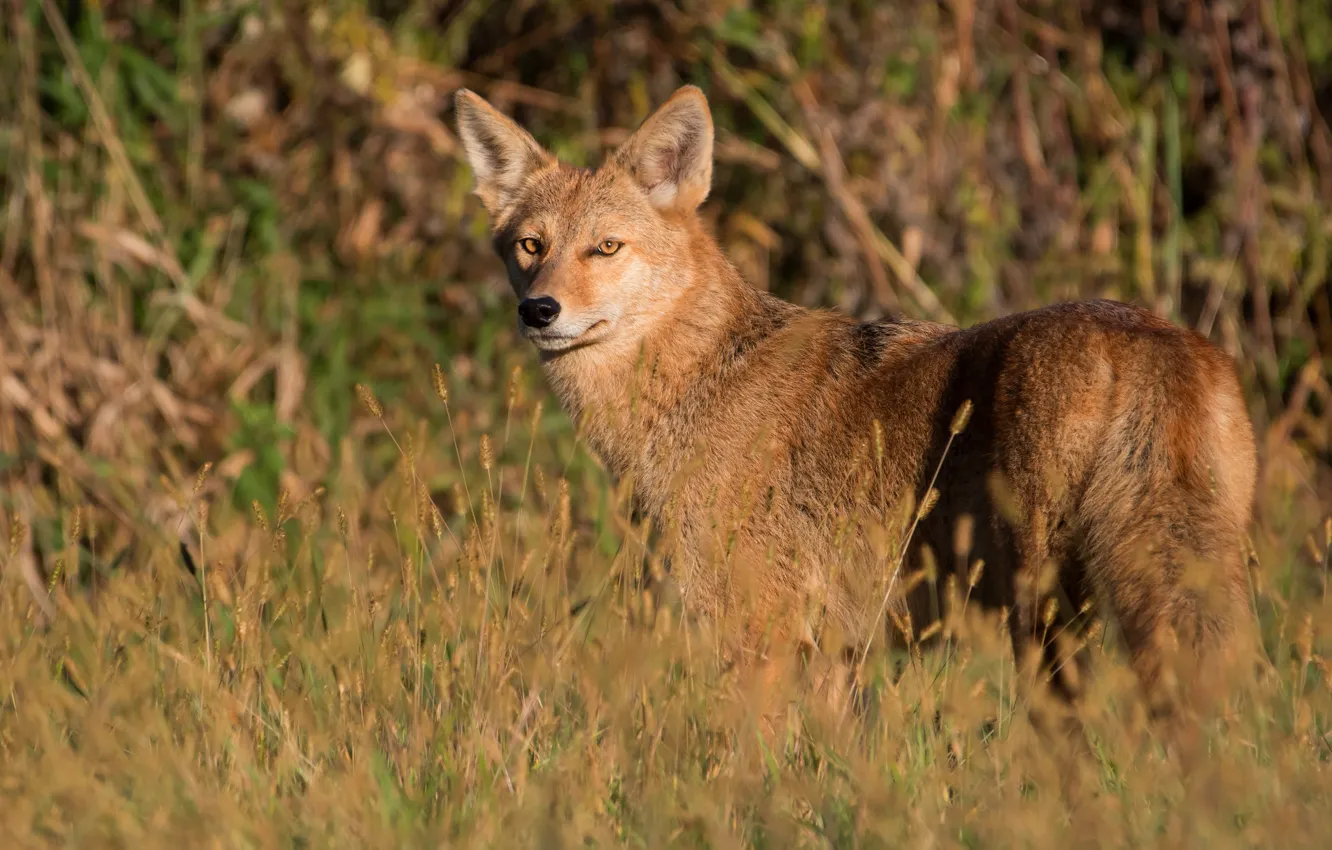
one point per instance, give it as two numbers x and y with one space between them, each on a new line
546 340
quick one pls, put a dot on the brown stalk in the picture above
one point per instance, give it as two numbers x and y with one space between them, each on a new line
1029 137
878 249
1244 138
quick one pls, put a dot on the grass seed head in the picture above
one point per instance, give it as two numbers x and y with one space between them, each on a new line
259 516
202 476
961 418
487 453
441 384
1304 639
436 521
964 535
515 382
539 483
977 569
369 401
17 530
927 504
930 631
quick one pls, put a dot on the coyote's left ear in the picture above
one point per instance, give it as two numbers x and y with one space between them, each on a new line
671 154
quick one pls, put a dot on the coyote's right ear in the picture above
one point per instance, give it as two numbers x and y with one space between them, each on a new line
501 153
671 154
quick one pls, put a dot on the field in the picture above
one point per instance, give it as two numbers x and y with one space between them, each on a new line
270 577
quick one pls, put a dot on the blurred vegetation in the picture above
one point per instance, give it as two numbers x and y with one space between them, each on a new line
238 606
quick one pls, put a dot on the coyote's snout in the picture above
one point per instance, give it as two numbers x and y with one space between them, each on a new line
1109 462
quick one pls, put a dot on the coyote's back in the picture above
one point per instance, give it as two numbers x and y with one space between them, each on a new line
1109 458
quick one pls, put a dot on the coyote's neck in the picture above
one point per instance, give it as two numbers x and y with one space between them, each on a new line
644 409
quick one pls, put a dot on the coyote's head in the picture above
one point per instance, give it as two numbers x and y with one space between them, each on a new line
594 256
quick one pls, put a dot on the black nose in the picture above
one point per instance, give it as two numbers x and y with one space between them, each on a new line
538 312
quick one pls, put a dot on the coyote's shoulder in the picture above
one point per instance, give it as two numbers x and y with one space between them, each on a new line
1108 457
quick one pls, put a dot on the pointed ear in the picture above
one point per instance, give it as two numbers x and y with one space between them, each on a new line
501 153
671 154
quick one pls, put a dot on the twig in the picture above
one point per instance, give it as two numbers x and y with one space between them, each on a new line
106 127
807 155
21 548
964 11
834 173
1216 296
1305 381
1028 133
872 239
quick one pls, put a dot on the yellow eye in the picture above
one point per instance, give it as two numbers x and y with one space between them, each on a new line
608 247
530 245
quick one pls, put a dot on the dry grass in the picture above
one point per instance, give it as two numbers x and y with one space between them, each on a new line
241 605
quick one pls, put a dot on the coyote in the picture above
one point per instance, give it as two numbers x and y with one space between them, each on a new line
796 461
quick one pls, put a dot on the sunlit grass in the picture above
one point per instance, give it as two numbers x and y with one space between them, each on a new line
377 667
421 621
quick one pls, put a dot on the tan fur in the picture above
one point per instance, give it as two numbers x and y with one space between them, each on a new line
1109 457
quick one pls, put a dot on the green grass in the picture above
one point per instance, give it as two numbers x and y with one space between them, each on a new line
217 220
